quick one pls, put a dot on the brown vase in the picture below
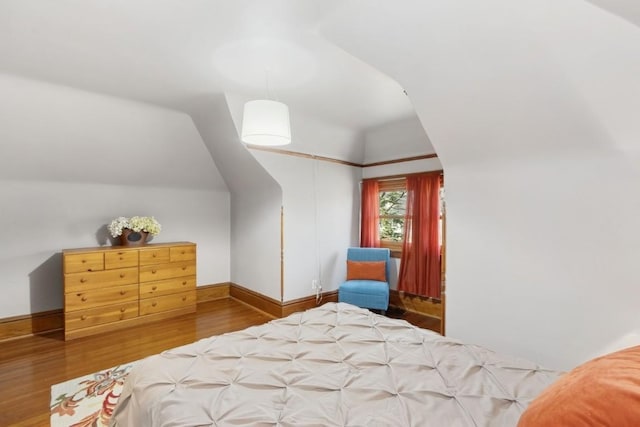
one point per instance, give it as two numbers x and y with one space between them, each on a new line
133 238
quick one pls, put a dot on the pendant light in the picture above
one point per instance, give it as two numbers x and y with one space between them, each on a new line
265 121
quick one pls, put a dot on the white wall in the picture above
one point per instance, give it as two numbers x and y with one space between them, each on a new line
43 217
532 109
70 161
255 244
554 253
256 201
321 208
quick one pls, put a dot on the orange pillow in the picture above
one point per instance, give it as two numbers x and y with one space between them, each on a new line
367 270
602 392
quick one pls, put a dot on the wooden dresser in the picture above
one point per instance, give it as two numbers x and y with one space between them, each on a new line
108 288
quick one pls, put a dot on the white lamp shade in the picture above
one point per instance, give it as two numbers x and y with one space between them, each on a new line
266 122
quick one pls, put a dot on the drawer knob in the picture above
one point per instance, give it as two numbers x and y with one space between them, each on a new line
122 309
154 288
83 299
82 280
153 304
122 275
184 298
84 261
123 292
182 252
153 271
184 282
83 317
121 258
153 255
184 268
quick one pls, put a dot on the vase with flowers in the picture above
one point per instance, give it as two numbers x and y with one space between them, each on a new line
135 230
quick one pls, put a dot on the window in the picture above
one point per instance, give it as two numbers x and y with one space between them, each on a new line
392 202
392 198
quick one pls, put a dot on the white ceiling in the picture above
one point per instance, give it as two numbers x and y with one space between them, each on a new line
174 53
178 53
626 9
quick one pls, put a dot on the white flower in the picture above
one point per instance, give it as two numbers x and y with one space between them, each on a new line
136 223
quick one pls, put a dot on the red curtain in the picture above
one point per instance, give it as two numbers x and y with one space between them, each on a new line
420 262
369 215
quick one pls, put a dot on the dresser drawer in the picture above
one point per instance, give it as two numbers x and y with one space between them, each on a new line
151 273
169 286
168 303
99 297
182 253
88 261
81 282
100 315
154 256
120 259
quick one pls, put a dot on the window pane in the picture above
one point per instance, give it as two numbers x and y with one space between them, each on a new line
393 203
391 229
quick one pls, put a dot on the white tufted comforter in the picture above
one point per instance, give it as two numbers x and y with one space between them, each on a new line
335 365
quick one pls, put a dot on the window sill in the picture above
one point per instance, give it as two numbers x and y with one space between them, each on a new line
394 247
396 254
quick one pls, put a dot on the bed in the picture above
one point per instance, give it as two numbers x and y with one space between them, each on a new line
334 365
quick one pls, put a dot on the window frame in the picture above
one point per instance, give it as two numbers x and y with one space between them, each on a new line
387 185
396 183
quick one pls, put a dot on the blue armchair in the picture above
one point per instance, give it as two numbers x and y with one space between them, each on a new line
371 294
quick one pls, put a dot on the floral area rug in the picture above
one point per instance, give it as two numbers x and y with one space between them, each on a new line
89 400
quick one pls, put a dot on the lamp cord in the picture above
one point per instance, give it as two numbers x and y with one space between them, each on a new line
269 94
318 258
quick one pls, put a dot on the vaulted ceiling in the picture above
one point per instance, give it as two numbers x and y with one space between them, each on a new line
175 53
178 53
626 9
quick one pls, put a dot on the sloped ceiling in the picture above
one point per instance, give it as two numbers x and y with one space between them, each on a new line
497 68
626 9
55 133
177 54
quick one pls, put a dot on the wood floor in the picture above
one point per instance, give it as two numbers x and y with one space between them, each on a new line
29 366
